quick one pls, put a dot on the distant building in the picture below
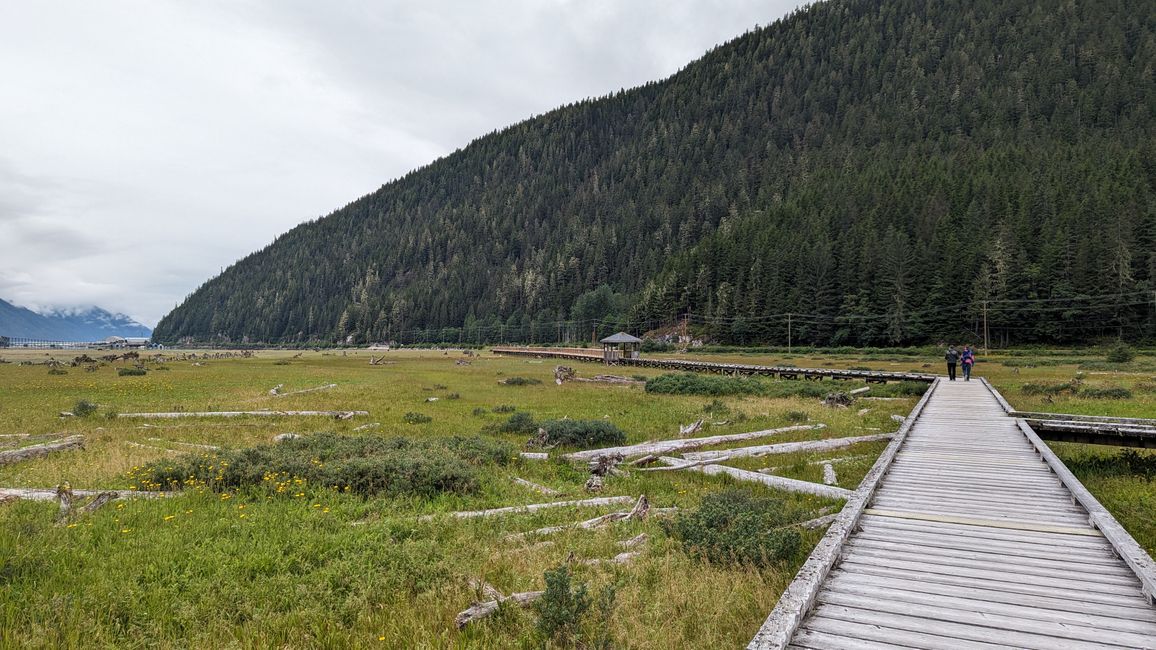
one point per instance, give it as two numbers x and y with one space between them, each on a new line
620 346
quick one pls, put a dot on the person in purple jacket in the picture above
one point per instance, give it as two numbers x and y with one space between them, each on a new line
967 359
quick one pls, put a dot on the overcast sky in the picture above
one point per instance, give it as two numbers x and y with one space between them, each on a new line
145 146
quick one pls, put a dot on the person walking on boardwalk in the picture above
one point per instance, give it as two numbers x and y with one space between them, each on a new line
967 358
952 358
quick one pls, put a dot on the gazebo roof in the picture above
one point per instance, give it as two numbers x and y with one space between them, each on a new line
621 337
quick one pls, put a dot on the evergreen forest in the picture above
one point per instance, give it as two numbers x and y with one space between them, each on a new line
860 172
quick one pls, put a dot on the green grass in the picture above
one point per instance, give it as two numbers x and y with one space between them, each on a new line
250 568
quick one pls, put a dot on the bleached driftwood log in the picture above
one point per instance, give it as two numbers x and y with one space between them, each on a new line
192 445
535 455
36 451
640 511
859 391
682 444
49 494
68 500
367 426
140 446
844 459
341 415
640 538
276 392
789 484
819 522
621 558
534 507
829 476
479 611
550 492
785 447
690 429
487 590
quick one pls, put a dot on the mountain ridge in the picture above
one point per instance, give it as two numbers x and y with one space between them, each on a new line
67 324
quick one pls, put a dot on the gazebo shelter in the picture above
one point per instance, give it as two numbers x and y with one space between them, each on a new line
620 346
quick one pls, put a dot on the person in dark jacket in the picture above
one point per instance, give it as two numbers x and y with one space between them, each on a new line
952 358
968 360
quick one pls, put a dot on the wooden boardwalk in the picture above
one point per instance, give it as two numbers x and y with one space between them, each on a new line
690 365
969 533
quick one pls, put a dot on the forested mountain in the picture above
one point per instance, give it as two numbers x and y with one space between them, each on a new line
874 172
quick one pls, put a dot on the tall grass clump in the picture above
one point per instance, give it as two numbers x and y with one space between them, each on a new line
368 465
734 527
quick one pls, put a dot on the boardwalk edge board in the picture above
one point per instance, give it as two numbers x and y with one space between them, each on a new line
1122 542
801 594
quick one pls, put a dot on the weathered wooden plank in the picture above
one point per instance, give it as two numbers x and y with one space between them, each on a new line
1057 601
888 635
1038 609
1023 585
992 523
927 551
985 626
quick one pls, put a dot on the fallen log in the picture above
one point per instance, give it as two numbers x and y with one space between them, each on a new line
690 429
367 426
859 391
535 455
478 611
829 476
49 494
621 558
485 589
844 459
186 444
276 392
36 451
534 507
786 447
640 511
550 492
819 522
640 538
342 415
779 482
681 444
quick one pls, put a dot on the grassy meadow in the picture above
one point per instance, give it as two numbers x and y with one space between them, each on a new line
316 567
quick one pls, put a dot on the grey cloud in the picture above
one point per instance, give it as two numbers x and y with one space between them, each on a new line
149 145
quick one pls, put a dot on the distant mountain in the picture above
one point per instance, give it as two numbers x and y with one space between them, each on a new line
861 172
73 324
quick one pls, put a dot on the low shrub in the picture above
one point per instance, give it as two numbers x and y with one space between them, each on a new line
1121 353
1042 388
84 408
733 527
520 381
416 418
691 384
367 465
281 362
561 608
1111 392
454 396
57 371
900 389
131 372
716 407
1126 462
505 408
582 434
480 411
522 422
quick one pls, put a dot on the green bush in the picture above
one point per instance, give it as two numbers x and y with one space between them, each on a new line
734 527
899 389
1042 388
716 407
522 422
561 608
84 408
366 465
131 372
582 434
416 418
1121 353
520 381
505 408
480 411
712 385
57 371
1126 462
1112 392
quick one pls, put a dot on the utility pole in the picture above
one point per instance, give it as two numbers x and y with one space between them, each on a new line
985 337
788 333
